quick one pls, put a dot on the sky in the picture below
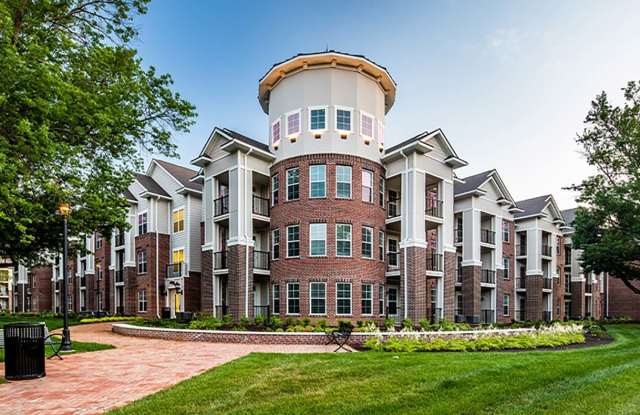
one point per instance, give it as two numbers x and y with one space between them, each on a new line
509 83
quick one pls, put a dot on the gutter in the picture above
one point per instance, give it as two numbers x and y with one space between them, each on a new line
157 262
403 207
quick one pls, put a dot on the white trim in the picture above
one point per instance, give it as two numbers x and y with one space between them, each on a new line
311 313
287 299
335 119
371 229
350 182
373 126
326 118
286 183
324 181
184 220
350 299
286 120
275 144
371 299
324 254
350 240
273 244
287 241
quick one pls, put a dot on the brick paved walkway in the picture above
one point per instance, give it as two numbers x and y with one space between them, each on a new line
89 383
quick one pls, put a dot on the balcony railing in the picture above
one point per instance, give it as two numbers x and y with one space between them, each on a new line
588 288
119 239
260 259
486 316
459 274
260 205
220 260
221 206
177 270
487 236
521 315
261 310
457 234
83 281
546 316
119 275
393 261
567 285
434 261
488 276
458 316
221 311
546 250
547 283
393 207
120 310
434 208
521 282
436 314
521 249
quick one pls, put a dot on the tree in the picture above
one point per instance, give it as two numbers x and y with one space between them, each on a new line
607 229
76 108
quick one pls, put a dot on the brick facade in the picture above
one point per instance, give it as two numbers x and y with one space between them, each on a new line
506 286
419 291
449 284
622 302
534 302
157 257
206 283
471 293
40 281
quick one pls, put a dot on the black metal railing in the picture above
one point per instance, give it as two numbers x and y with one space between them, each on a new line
487 236
588 288
434 261
176 270
488 276
567 284
521 282
459 274
119 239
547 283
567 260
119 275
521 249
120 310
457 234
546 316
486 316
260 260
393 260
83 281
260 205
546 250
434 208
221 206
521 315
222 310
393 207
436 314
261 310
220 260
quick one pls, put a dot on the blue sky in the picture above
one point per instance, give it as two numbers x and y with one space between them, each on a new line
509 82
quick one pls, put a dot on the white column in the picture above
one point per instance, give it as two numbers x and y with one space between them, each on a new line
471 238
497 228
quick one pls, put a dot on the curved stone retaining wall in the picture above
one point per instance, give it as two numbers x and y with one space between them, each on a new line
262 337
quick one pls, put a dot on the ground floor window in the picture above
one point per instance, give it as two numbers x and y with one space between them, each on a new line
367 299
505 305
293 298
381 298
318 298
275 290
343 298
142 301
83 300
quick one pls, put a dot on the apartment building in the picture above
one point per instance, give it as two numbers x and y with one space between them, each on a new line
6 285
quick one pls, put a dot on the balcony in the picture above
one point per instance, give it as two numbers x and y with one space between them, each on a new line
457 235
260 205
83 281
434 208
393 261
459 275
434 261
436 315
261 260
547 283
220 260
588 288
177 270
488 276
221 206
487 316
521 315
119 239
487 236
521 283
546 316
393 207
119 275
261 310
521 249
546 250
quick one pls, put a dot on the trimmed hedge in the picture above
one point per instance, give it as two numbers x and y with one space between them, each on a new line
108 319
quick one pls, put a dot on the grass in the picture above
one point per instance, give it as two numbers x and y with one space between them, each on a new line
598 380
78 347
51 321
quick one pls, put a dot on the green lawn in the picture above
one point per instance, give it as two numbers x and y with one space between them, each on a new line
52 322
78 347
599 380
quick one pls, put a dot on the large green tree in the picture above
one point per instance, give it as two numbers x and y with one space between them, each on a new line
77 108
607 228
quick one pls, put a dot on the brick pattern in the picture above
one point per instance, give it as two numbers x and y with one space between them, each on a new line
471 293
237 286
419 295
449 285
507 286
41 288
559 312
147 281
206 283
577 299
622 301
103 285
192 286
534 302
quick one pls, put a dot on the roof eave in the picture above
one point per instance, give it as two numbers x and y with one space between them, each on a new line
417 146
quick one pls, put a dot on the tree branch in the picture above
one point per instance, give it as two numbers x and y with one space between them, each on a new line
630 286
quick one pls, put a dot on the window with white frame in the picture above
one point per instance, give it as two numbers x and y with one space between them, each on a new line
317 180
343 298
98 241
367 242
275 293
293 298
317 239
317 119
178 220
275 189
318 298
505 264
381 245
505 305
343 182
275 244
142 261
343 119
343 240
367 299
142 301
293 241
381 299
381 191
366 125
293 123
293 183
276 133
83 299
505 231
367 186
142 223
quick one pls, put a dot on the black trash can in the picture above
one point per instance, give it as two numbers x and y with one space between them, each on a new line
184 316
23 351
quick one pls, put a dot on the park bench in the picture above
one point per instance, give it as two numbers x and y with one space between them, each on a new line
340 336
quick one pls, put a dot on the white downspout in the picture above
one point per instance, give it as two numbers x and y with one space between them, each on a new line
403 208
246 236
155 216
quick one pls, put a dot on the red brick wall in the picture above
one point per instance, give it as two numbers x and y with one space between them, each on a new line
471 293
449 285
534 298
418 290
577 299
331 211
147 281
237 285
622 301
507 286
104 285
558 287
206 283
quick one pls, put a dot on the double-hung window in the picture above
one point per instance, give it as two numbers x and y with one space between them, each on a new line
275 293
343 120
505 305
367 242
343 182
366 125
142 261
317 180
98 241
293 123
367 299
317 119
293 298
178 220
293 241
505 231
318 298
318 239
343 240
343 298
275 189
381 299
381 245
142 223
293 183
381 191
275 133
275 244
505 265
367 186
142 301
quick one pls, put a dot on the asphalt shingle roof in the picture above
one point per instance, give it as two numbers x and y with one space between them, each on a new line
182 174
407 141
471 183
247 140
531 206
151 185
569 216
128 195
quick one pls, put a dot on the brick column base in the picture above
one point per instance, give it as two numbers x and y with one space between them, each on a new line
449 286
534 298
419 295
238 283
471 293
577 299
206 283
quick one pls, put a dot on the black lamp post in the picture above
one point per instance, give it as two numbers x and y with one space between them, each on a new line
66 335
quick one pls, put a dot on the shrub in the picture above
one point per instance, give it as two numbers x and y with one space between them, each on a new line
389 324
322 324
227 319
407 324
275 322
108 319
259 320
306 321
205 323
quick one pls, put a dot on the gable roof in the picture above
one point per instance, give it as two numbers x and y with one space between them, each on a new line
181 174
129 196
420 141
150 185
471 183
569 216
535 207
247 140
236 141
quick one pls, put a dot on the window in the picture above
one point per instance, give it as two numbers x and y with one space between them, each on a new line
505 305
83 300
381 191
142 301
366 125
367 299
318 239
98 241
142 223
275 292
367 242
343 182
318 180
343 298
293 184
98 272
505 265
275 133
343 239
293 298
177 256
505 231
318 298
367 186
178 220
293 123
317 119
275 189
293 241
343 119
275 244
381 299
142 262
381 245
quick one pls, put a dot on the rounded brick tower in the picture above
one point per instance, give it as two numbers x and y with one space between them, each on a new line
326 123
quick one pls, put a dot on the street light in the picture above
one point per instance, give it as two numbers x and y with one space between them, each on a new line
65 210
